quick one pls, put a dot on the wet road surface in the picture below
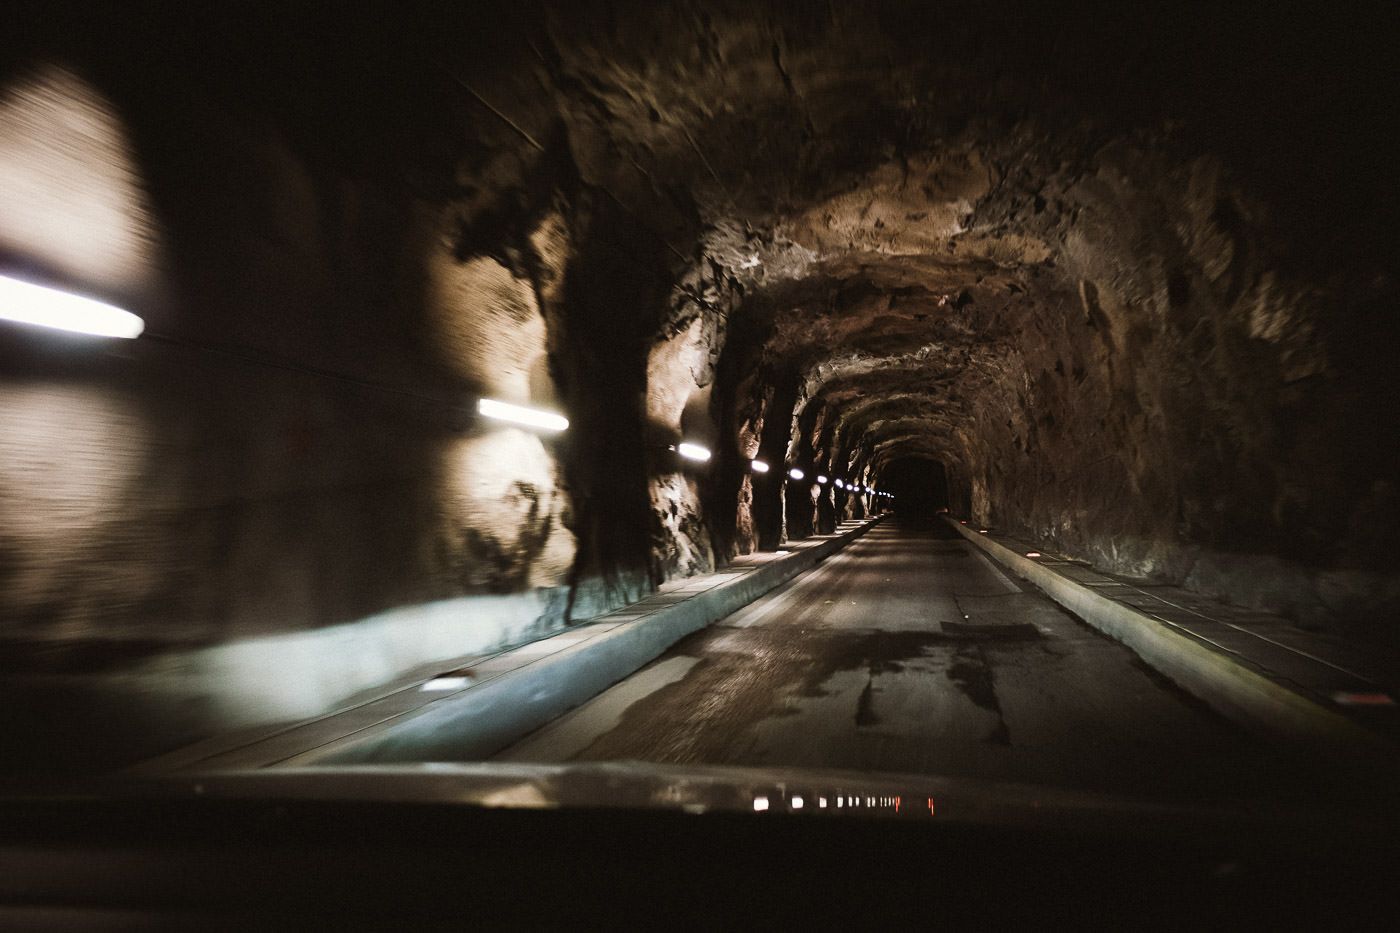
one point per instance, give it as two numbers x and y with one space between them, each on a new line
910 652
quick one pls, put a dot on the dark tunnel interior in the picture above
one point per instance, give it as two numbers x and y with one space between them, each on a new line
1115 282
919 486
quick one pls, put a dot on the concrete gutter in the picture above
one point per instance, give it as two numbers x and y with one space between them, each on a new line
1230 683
471 713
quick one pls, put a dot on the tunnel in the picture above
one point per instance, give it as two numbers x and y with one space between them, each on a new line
918 487
463 327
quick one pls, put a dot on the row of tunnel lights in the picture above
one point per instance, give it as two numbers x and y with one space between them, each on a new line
39 305
550 421
701 454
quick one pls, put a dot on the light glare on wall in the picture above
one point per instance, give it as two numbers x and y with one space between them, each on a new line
759 466
27 303
517 414
693 452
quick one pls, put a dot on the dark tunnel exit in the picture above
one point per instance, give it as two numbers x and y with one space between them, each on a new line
919 485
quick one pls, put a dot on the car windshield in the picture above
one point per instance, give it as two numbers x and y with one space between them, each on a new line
846 410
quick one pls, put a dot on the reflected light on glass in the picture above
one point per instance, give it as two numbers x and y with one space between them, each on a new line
518 414
27 303
693 452
758 466
445 683
795 473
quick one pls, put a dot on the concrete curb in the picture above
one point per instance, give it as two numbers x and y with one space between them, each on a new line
492 714
1233 686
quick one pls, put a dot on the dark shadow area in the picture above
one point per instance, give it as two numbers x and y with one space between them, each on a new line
919 486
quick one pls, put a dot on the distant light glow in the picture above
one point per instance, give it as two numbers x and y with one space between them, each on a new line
446 683
760 804
758 466
1032 553
27 303
840 485
821 801
798 803
1363 699
518 414
693 452
982 531
821 480
795 473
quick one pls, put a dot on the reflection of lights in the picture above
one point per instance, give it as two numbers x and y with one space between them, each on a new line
518 414
795 473
693 452
758 466
981 531
760 804
1362 699
27 303
1032 553
930 806
797 803
446 683
962 521
821 480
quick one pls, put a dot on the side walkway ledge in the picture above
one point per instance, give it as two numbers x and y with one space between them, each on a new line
1243 691
471 713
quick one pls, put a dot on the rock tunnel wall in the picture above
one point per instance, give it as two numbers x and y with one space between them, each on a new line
1129 308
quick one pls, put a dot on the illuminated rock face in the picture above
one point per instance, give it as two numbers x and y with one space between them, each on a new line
1123 307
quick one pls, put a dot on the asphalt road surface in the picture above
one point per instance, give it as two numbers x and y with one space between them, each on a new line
910 652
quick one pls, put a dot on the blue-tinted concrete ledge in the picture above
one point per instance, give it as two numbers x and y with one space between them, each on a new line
470 711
